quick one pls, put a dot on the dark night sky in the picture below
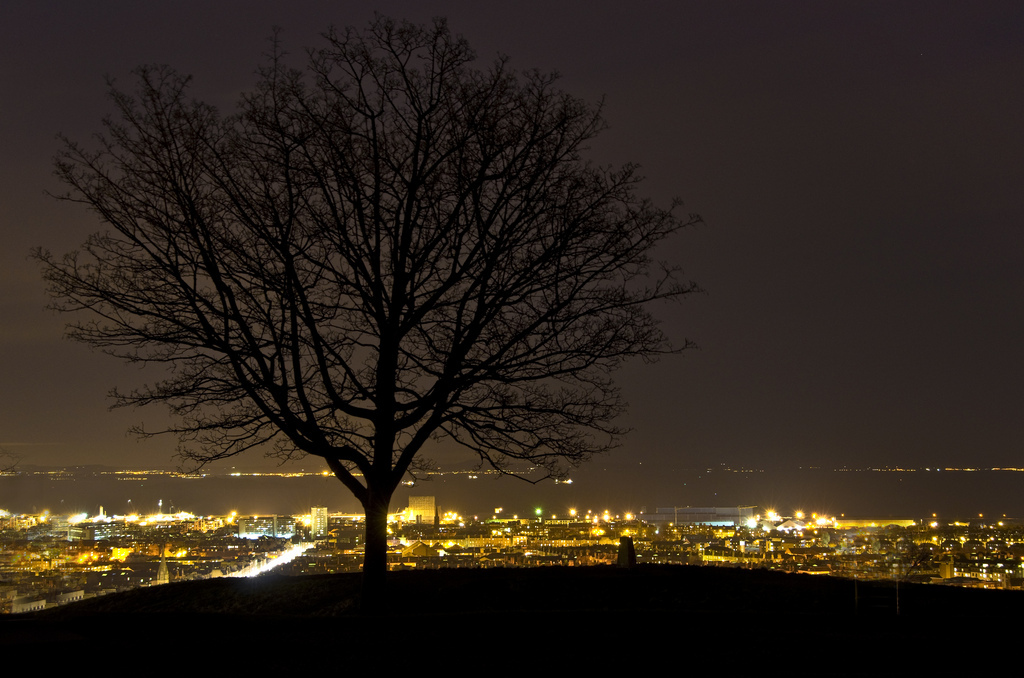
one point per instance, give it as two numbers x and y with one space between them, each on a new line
859 167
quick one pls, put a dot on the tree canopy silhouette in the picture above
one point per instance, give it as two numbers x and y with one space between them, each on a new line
388 246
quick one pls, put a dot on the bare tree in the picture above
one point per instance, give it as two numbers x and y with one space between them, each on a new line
386 247
8 461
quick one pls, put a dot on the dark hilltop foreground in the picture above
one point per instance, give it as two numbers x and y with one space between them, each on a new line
715 619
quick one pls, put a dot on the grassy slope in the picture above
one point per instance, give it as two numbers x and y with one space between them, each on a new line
714 617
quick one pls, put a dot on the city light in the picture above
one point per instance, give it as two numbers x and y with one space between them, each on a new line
960 552
284 558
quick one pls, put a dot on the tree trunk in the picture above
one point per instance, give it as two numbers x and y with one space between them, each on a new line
375 561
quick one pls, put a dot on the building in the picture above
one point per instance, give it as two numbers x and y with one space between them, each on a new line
714 516
318 528
422 510
255 527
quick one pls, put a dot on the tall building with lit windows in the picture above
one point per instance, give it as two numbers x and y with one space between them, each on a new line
422 510
319 528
